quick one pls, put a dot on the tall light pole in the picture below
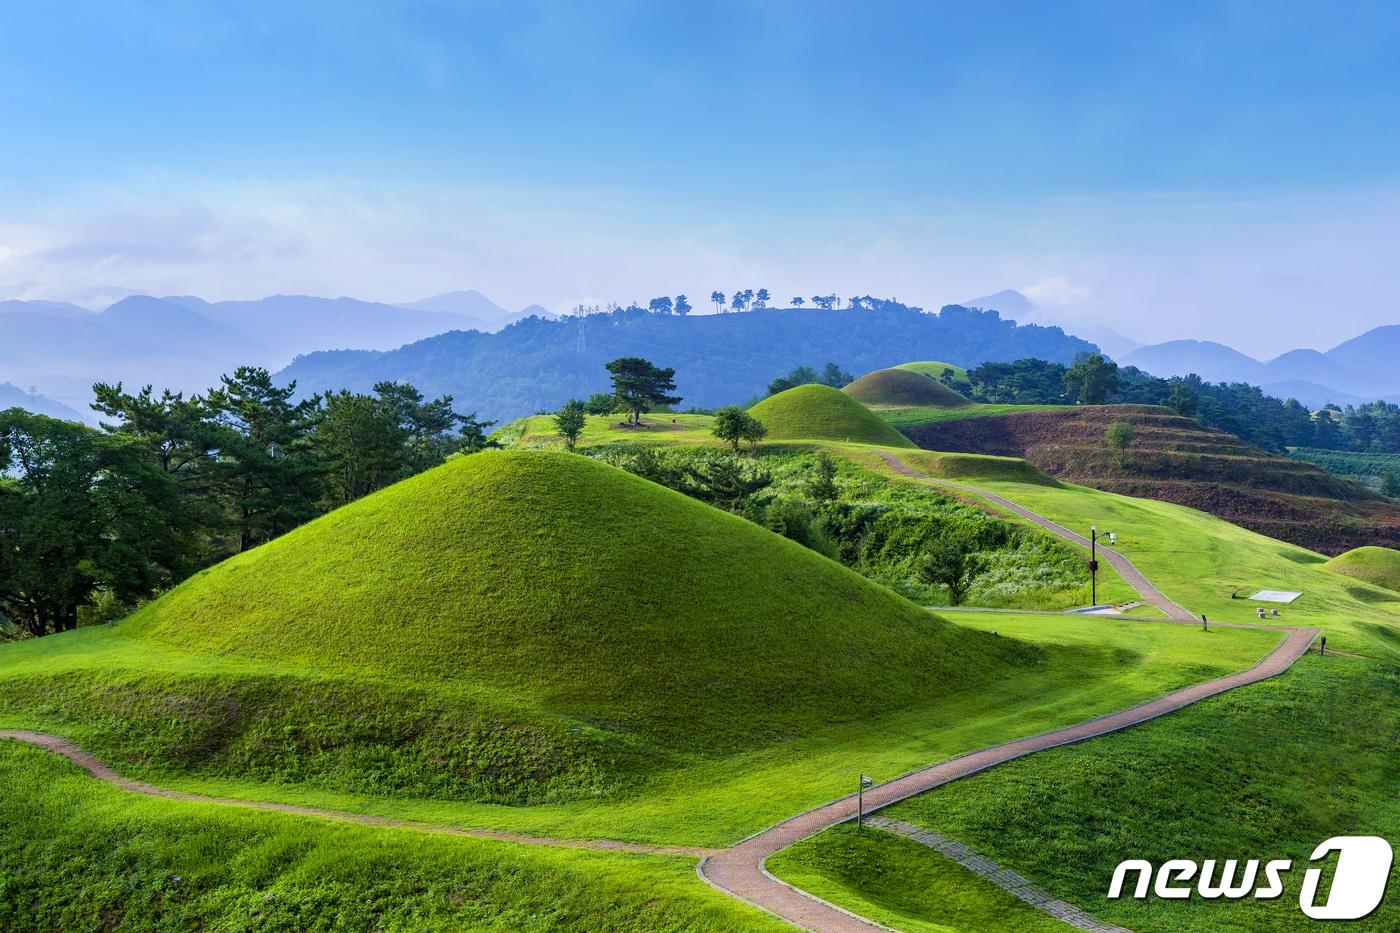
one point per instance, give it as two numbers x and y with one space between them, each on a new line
1094 562
860 798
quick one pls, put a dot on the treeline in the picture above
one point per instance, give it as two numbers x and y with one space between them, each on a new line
1239 408
748 299
94 521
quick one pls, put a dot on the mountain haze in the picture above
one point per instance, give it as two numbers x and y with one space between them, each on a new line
720 359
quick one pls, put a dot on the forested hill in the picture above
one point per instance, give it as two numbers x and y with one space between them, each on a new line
719 359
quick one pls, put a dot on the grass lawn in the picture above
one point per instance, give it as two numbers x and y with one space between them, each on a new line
908 417
1082 667
606 429
1199 560
83 855
904 885
1265 772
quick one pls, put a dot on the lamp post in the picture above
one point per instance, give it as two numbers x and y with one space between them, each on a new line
860 798
1094 562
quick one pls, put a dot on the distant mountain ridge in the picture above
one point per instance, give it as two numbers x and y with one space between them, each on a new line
537 364
1359 370
185 343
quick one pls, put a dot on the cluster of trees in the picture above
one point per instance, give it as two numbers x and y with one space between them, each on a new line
750 300
830 375
1236 407
93 521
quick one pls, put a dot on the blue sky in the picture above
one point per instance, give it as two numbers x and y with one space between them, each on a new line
1171 169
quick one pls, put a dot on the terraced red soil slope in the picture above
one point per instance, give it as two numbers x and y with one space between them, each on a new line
1175 459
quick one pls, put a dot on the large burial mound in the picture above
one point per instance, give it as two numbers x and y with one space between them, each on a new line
511 626
903 388
818 412
1175 459
1376 565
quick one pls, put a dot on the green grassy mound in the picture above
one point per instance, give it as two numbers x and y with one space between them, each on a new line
934 369
516 626
818 412
1376 565
903 388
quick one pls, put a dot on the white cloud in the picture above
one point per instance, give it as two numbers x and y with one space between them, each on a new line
1264 274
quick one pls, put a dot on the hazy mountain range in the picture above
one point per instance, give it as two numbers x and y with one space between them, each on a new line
52 352
719 358
58 350
1359 370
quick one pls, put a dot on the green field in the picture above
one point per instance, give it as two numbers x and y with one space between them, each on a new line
540 642
1202 561
908 417
902 884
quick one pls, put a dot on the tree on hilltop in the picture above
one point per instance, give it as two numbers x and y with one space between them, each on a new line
682 306
639 386
717 298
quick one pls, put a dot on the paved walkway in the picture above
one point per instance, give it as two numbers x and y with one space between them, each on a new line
1003 878
738 870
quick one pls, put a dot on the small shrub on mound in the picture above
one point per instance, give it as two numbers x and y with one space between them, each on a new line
903 388
818 412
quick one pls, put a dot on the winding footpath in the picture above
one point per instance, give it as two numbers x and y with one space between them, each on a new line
739 869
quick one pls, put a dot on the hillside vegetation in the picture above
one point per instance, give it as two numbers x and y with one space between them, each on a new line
818 412
1377 565
1175 459
903 388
